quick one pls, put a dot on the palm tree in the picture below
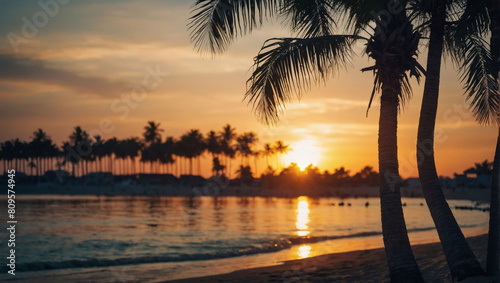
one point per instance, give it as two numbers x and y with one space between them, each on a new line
8 154
461 260
168 153
493 256
37 150
268 151
280 148
109 147
228 135
213 144
18 153
480 71
80 141
152 137
147 155
99 151
286 66
132 147
73 159
152 132
245 143
483 168
192 146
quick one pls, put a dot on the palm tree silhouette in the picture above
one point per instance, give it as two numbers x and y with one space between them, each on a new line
99 151
152 137
245 143
493 256
268 151
480 68
109 147
7 154
167 156
80 139
280 148
152 132
461 34
213 144
132 147
286 66
228 136
192 146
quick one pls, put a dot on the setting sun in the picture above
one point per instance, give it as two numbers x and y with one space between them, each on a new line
304 152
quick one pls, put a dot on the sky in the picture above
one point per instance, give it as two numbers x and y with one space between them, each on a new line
111 66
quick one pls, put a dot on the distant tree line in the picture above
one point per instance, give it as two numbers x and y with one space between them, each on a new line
82 154
293 178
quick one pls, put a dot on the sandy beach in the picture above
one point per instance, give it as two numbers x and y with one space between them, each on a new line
357 266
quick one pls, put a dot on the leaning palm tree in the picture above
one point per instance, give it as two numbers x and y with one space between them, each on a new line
480 68
286 66
439 18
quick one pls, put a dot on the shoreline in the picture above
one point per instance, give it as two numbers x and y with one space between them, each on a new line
356 266
480 195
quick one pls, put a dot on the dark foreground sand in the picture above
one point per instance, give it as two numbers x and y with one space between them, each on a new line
357 266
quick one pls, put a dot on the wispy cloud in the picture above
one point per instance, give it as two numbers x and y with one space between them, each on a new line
27 70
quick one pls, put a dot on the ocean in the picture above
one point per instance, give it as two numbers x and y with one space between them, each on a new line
157 238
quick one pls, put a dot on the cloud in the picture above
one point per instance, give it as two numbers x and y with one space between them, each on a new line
27 70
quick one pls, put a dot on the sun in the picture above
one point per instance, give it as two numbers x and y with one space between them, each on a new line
304 152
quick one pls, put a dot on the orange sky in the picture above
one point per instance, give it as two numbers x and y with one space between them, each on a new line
81 66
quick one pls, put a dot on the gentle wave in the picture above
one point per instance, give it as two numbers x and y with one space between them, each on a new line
268 247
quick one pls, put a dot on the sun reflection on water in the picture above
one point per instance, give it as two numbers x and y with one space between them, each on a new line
304 251
302 216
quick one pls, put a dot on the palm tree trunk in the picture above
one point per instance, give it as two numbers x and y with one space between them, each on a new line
493 255
402 264
461 260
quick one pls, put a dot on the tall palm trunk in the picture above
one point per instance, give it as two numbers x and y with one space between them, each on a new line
493 256
402 264
461 260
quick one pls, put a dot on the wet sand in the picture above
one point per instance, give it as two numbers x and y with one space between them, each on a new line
357 266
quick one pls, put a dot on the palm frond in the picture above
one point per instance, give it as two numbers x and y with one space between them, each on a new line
310 18
481 87
360 13
285 67
473 21
214 24
394 48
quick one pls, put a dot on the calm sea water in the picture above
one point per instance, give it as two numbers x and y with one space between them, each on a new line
141 239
